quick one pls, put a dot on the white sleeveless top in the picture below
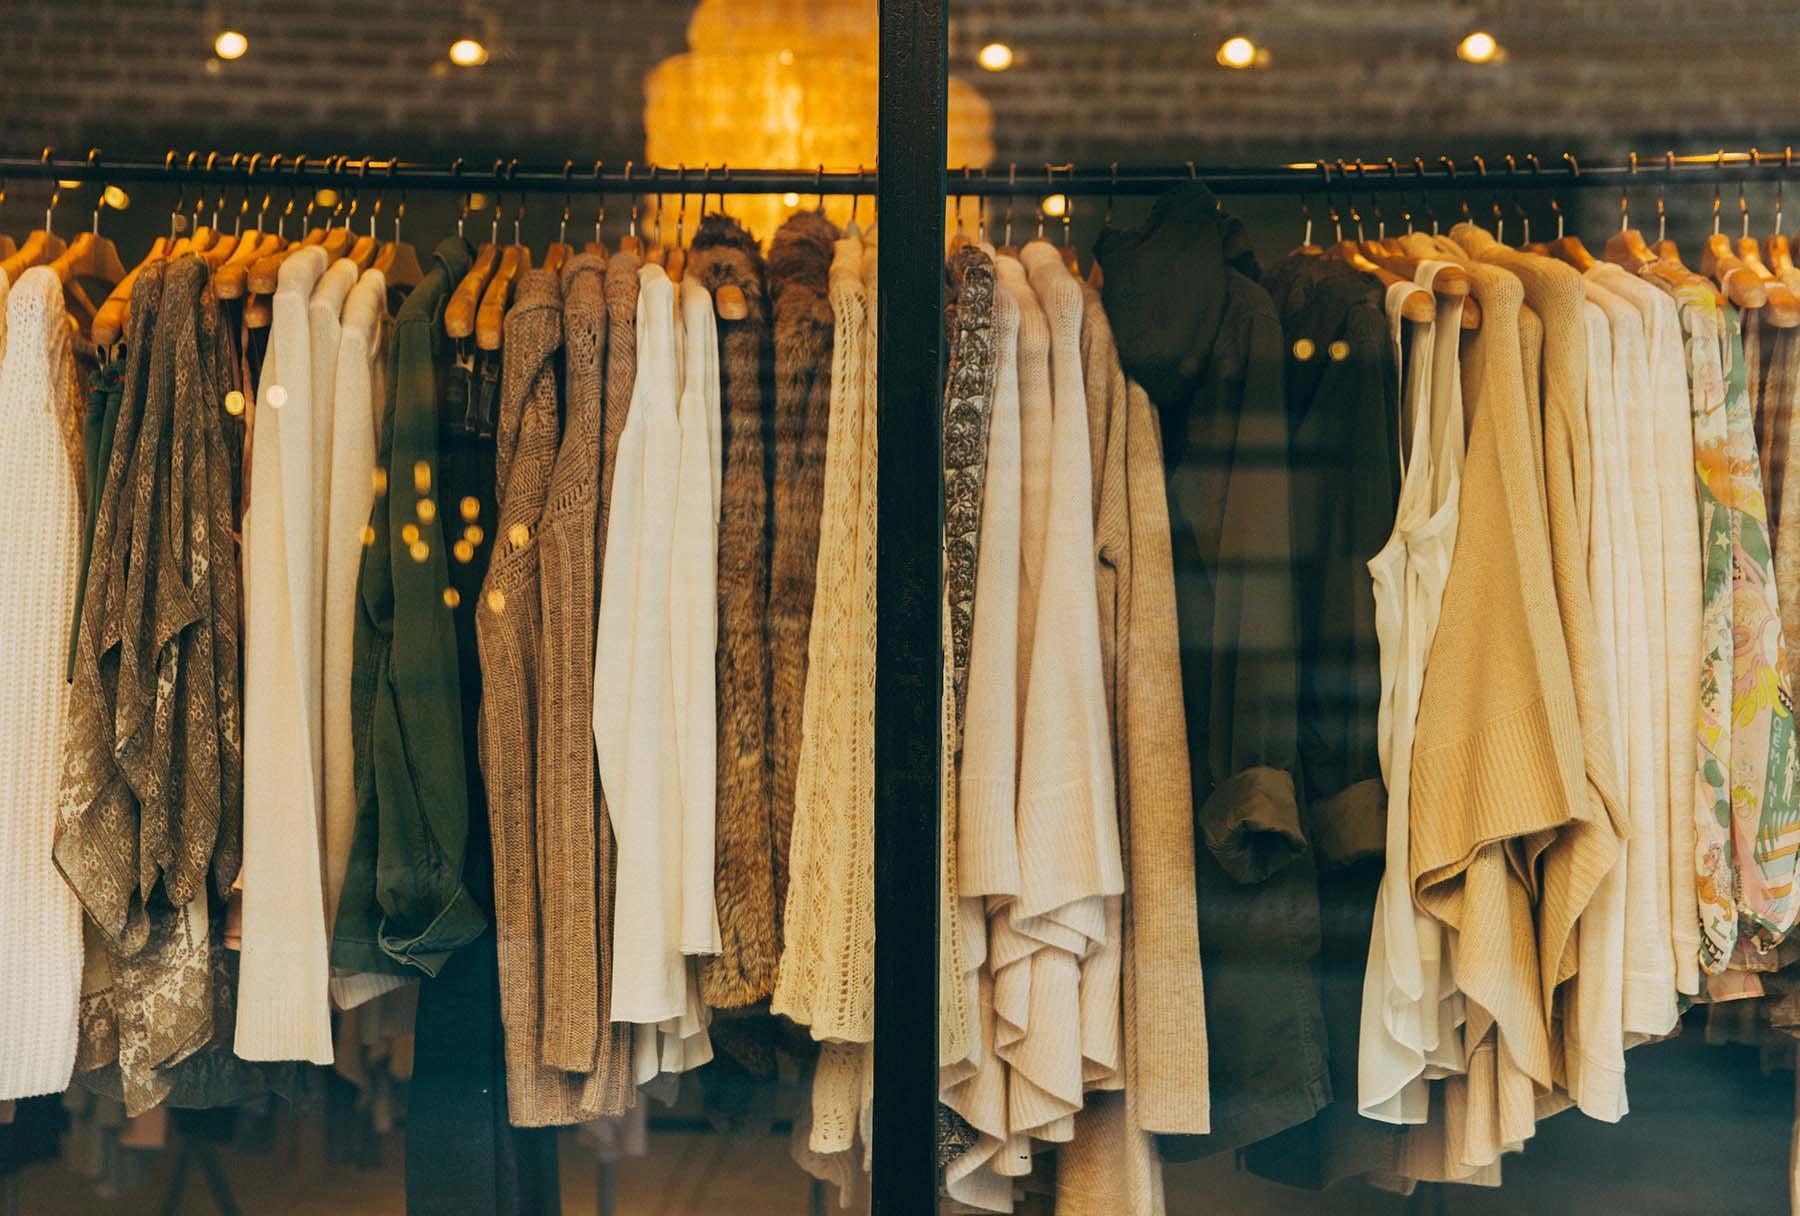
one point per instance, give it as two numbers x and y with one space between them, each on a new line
1411 1012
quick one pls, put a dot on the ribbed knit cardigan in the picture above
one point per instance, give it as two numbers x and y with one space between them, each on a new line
799 267
1498 754
1580 856
40 919
751 843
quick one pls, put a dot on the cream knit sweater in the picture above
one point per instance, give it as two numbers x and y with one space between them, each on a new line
40 920
1648 984
653 983
284 1009
1665 419
1497 757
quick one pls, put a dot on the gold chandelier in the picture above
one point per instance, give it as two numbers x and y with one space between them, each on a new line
781 84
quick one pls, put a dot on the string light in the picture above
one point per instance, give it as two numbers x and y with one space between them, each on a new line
1479 47
790 199
230 44
1240 52
468 53
995 57
115 198
1056 205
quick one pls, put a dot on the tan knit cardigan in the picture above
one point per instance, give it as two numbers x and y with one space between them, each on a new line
1111 1166
508 632
578 1032
1580 855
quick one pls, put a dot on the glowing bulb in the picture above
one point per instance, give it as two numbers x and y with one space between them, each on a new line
995 57
1478 47
68 183
115 198
1056 205
230 44
785 57
1237 52
468 53
791 199
325 196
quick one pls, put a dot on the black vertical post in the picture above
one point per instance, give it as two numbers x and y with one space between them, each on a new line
908 657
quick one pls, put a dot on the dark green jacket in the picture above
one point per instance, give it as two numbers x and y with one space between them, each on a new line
404 906
1203 339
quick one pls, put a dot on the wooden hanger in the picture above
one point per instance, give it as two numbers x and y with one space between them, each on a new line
465 300
1451 282
90 256
1418 304
398 261
559 251
490 319
1783 308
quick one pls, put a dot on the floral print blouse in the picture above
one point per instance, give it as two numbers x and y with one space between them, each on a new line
1746 813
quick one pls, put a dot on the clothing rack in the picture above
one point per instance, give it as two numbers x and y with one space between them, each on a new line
911 189
1381 176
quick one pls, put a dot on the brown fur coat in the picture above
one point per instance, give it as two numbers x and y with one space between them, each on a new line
744 868
799 263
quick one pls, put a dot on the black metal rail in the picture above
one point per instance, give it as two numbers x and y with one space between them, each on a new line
1381 175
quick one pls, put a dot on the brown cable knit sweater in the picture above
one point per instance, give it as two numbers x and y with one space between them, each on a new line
744 873
508 630
578 1035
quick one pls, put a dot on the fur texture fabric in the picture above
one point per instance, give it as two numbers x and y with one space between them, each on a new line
723 254
799 265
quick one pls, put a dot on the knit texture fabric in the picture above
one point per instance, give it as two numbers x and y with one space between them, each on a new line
968 399
751 844
509 634
40 919
799 264
565 774
826 976
578 1033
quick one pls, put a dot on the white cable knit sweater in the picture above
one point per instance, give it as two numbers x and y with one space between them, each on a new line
40 920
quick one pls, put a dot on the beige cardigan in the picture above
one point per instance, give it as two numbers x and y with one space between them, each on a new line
1497 761
1111 1166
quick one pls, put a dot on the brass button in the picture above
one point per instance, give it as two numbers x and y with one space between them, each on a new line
1339 351
1303 349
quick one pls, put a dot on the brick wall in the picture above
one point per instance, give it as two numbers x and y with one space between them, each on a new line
1095 80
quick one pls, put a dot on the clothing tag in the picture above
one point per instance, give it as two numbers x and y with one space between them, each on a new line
487 397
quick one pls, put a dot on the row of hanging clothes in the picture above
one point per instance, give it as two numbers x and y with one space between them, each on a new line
1385 651
421 666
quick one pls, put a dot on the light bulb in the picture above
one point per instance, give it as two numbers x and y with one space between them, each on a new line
230 44
468 53
1237 52
68 183
1056 206
790 199
1478 47
325 196
115 198
995 57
